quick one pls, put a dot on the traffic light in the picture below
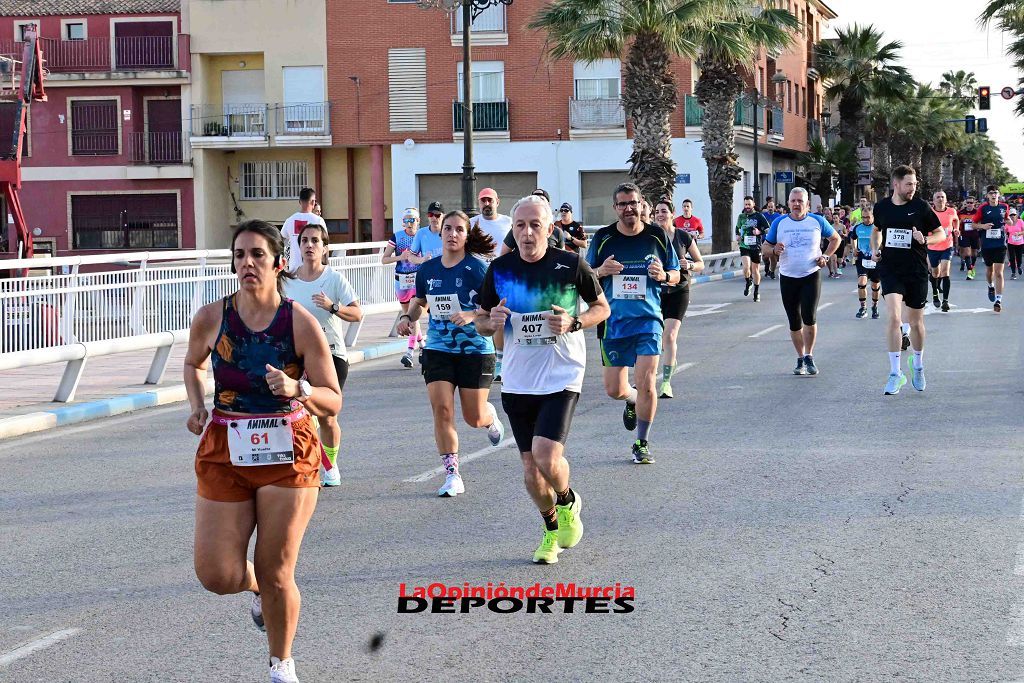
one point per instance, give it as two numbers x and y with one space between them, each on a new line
969 124
982 125
984 94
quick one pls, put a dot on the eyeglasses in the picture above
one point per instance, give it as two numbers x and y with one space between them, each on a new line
409 220
433 215
563 211
625 205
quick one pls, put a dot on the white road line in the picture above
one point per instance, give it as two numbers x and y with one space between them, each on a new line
430 474
37 645
684 366
764 332
825 305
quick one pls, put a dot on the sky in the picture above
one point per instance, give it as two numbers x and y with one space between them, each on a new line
939 37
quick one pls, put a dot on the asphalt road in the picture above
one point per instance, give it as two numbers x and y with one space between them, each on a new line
794 528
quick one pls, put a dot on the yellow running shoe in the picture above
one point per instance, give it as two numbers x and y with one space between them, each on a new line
547 551
570 527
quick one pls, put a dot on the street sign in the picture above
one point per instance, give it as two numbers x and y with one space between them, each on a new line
1007 93
784 177
683 179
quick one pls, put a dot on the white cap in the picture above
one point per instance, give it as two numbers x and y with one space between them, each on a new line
411 213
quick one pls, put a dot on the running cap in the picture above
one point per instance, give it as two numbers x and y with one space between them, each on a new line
487 192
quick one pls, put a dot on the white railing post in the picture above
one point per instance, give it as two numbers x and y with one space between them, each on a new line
197 293
69 380
159 364
67 316
138 300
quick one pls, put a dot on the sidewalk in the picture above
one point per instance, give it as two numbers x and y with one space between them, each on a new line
114 384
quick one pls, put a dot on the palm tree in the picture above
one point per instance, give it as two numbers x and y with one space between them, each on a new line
729 43
821 163
960 85
650 33
858 65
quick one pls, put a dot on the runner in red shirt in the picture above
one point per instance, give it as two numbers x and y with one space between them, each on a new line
688 222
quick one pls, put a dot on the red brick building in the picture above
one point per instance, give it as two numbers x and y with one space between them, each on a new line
106 166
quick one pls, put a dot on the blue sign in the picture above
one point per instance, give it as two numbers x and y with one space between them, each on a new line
683 179
784 177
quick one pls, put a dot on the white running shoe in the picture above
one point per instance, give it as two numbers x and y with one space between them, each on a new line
282 670
256 612
453 486
331 477
496 432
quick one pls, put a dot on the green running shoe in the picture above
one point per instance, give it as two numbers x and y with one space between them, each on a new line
570 528
547 551
641 453
895 383
666 390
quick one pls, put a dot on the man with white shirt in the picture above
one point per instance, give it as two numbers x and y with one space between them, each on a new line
489 220
293 226
796 239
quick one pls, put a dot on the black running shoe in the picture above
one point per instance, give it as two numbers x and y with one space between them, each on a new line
809 366
991 293
629 416
799 369
945 305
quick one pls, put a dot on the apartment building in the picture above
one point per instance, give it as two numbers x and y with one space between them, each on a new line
556 125
106 164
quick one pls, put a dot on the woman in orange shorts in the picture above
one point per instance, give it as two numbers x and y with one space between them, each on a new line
258 460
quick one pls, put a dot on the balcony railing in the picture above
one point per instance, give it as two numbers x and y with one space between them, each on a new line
816 131
491 20
143 53
596 114
158 149
306 118
744 113
775 121
487 116
229 120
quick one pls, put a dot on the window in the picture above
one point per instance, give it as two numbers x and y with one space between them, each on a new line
21 29
789 95
490 20
488 81
94 128
596 196
304 106
273 179
447 188
125 221
74 30
599 80
407 88
798 99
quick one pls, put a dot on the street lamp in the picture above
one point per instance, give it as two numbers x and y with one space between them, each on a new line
757 100
471 9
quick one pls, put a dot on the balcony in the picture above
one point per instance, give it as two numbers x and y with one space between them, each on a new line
743 118
158 148
489 118
103 54
596 118
817 131
229 126
776 128
303 124
489 28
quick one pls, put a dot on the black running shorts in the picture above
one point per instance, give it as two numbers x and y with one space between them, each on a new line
994 256
913 287
800 299
674 304
754 254
545 415
871 273
464 370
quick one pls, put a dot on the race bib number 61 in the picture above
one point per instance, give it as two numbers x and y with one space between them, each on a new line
260 441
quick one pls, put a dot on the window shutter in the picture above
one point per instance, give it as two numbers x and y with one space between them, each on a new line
407 88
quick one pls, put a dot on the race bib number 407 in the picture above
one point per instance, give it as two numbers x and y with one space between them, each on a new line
260 441
531 329
898 238
629 287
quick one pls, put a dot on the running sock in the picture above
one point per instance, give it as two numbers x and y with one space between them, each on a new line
750 281
935 285
874 296
894 362
451 462
550 519
999 298
905 328
412 341
494 416
666 372
862 295
631 397
332 455
918 358
756 287
945 287
565 497
643 428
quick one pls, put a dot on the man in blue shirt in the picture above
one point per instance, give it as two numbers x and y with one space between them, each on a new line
633 260
989 222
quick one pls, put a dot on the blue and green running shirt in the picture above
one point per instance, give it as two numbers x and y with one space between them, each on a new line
444 291
635 298
535 360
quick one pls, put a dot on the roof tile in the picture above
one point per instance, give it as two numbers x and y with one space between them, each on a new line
38 8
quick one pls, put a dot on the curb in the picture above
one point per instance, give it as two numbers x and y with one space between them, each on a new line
93 410
728 275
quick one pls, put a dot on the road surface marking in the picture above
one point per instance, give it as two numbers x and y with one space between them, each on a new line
430 474
825 305
684 366
765 331
705 309
37 645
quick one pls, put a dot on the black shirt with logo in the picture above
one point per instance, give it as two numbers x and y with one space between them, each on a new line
896 223
572 230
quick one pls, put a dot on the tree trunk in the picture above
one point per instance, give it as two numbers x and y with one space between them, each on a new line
881 167
931 171
649 98
716 90
851 123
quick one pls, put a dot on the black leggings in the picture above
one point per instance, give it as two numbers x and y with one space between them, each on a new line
800 298
1015 256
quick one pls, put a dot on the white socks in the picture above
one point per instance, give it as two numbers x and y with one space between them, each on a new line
894 362
918 358
631 398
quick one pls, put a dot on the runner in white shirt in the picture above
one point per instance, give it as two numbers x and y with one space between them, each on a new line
292 227
489 220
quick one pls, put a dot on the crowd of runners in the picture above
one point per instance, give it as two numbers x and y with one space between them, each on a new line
505 298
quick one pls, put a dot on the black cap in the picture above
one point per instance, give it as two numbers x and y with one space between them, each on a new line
566 206
435 207
542 193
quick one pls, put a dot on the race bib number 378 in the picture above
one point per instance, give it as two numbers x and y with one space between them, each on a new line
898 238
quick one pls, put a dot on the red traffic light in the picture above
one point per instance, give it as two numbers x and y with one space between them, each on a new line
984 95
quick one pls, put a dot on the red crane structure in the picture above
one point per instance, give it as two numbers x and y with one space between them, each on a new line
21 83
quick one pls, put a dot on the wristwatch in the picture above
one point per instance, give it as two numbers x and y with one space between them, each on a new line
335 308
577 324
305 389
